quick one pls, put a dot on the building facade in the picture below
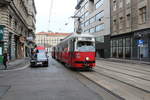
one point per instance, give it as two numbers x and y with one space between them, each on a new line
49 39
17 27
130 29
95 19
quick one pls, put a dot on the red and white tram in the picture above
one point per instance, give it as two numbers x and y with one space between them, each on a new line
76 51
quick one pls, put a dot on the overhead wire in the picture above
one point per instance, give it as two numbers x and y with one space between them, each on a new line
50 13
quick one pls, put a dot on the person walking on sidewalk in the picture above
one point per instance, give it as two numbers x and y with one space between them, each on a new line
5 59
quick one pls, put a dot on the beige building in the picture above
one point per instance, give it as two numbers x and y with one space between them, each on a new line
95 19
17 27
49 39
130 24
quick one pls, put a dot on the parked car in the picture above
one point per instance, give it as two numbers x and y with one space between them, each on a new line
39 59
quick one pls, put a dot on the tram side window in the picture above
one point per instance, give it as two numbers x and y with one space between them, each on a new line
65 47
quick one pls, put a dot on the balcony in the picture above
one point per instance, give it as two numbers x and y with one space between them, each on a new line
79 4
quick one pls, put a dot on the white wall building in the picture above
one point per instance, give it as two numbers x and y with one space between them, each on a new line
49 40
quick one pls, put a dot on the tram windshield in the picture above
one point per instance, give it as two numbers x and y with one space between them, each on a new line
85 46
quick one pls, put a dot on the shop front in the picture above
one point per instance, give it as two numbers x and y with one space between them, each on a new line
1 43
141 44
131 46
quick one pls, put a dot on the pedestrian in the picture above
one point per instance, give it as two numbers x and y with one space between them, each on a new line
5 59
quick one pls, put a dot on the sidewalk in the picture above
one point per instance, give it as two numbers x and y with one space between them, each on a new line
125 61
16 64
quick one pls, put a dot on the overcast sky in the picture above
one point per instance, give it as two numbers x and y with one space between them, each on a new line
62 10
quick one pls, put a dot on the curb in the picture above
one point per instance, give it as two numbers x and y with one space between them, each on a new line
17 69
26 62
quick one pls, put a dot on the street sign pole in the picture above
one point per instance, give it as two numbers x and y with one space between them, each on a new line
140 45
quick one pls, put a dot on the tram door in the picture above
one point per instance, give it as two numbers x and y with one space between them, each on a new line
71 50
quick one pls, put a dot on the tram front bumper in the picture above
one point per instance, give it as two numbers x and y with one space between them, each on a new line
84 64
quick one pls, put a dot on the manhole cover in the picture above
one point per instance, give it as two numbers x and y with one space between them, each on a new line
3 90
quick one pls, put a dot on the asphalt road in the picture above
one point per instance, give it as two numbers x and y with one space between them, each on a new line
49 83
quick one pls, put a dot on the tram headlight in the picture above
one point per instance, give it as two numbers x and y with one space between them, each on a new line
87 58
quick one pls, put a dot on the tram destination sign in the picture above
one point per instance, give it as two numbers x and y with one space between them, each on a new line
86 38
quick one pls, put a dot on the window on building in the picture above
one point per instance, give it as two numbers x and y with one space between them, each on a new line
142 15
92 30
92 20
86 14
87 23
127 47
121 23
86 6
10 20
114 5
120 3
100 39
128 20
114 48
128 1
82 25
15 25
99 4
99 16
21 30
87 31
114 25
82 17
120 48
82 10
99 28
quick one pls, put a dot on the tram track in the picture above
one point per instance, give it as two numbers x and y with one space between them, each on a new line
127 82
130 66
126 72
132 81
134 67
122 88
116 87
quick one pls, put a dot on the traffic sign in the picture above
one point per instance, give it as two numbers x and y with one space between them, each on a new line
140 42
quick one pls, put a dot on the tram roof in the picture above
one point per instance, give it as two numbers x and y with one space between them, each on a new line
78 35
